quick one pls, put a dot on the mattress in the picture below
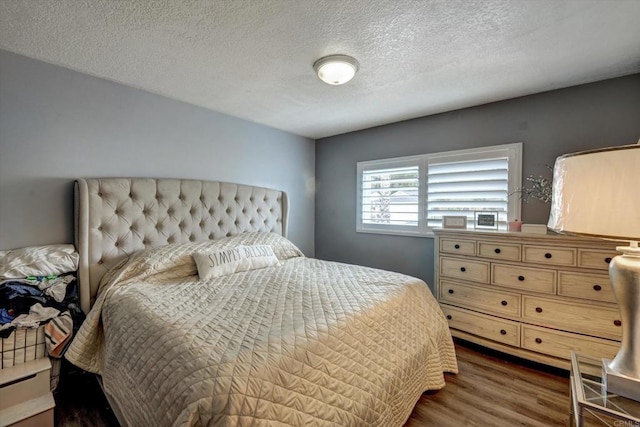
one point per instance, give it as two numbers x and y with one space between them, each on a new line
306 342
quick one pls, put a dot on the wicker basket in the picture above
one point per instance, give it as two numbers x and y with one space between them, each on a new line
24 345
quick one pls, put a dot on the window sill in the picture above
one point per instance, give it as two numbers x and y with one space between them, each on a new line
428 234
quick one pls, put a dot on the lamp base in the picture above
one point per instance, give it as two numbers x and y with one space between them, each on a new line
620 384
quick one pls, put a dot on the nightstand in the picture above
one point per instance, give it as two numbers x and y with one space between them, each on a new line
25 394
589 395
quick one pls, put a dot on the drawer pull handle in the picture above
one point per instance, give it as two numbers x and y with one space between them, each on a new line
497 250
521 278
607 260
463 269
19 380
597 287
538 340
449 317
450 291
617 323
503 332
503 302
547 255
538 309
457 246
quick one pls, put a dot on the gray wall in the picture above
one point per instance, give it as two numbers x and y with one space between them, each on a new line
57 125
549 124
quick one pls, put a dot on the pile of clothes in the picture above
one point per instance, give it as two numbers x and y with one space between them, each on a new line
29 300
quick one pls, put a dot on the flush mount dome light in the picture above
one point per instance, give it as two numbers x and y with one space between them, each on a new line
336 69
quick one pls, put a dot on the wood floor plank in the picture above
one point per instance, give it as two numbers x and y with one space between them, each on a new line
492 391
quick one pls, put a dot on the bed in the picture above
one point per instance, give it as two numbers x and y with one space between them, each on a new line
298 342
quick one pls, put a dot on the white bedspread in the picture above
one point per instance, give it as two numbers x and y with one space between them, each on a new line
308 342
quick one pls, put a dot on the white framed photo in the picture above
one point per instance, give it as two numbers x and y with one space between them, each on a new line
486 221
454 221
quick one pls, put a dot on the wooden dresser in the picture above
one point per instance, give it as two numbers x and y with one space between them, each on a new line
534 296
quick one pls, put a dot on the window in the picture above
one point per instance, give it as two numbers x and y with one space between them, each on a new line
410 195
390 197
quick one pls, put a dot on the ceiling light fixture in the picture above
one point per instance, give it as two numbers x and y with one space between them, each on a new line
336 69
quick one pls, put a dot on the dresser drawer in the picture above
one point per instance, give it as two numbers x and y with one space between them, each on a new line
476 271
456 246
549 255
525 278
581 318
493 328
43 419
24 382
36 412
480 298
561 344
590 258
499 251
583 285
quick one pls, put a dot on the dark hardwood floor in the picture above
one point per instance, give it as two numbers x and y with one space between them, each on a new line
79 400
490 390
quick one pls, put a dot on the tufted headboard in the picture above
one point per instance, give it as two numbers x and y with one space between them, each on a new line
115 217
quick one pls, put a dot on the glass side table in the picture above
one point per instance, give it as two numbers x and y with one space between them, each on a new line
589 395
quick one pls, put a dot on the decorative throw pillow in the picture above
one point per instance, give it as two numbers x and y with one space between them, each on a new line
233 260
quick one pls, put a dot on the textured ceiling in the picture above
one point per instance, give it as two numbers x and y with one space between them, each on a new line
253 59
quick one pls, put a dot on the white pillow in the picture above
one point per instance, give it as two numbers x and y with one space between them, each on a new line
48 260
233 260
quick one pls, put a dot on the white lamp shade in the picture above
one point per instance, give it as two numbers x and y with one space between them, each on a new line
597 193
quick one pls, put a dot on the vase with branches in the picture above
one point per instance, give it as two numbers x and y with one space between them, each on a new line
537 187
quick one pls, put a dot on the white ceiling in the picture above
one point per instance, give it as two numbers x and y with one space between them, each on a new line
253 58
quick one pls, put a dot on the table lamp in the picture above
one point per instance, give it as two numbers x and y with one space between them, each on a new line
597 193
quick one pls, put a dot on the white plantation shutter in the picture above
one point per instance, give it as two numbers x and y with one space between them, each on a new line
391 196
463 188
410 195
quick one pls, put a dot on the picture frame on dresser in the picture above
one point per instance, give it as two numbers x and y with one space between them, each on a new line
454 221
485 220
538 297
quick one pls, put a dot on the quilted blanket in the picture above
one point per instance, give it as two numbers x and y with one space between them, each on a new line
306 342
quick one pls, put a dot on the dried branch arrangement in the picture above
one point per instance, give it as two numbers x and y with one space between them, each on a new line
538 187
